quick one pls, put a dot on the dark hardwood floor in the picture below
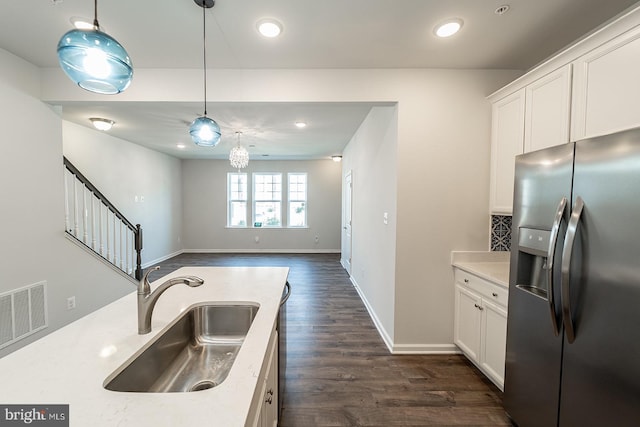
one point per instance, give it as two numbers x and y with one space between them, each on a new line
340 373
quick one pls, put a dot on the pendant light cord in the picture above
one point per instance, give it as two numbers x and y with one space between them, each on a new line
204 56
95 15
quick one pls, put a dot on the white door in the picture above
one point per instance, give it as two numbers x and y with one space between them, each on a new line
548 108
466 332
348 194
507 141
494 340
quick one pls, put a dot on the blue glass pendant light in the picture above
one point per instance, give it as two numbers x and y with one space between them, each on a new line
94 60
204 131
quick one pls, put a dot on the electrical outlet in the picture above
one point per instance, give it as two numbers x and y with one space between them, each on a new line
71 303
257 239
317 239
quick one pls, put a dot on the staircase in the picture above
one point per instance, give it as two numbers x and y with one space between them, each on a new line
92 220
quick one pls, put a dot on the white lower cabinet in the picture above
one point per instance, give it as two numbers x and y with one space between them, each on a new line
269 413
493 341
480 326
265 400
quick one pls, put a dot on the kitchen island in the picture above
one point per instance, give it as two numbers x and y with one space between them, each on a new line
70 365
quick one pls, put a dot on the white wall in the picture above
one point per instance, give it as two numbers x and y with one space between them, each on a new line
443 193
34 247
205 215
123 171
442 166
371 159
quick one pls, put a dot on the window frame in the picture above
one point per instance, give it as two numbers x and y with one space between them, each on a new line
255 200
231 200
304 200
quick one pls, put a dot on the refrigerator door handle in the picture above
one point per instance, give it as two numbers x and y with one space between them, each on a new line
555 230
567 251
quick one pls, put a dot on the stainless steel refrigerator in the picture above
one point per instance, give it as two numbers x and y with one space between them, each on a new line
573 334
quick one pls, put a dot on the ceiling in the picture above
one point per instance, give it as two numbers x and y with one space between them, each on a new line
326 34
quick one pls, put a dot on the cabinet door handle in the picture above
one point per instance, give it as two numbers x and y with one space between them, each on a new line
269 400
466 280
270 392
495 294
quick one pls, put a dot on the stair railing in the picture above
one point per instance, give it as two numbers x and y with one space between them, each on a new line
95 222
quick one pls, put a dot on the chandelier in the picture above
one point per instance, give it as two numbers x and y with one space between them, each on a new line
239 156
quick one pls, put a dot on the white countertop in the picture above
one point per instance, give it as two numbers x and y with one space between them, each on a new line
492 266
70 365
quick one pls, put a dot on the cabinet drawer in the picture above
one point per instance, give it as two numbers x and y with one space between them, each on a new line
486 289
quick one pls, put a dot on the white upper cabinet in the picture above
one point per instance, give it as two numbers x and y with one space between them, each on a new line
591 88
507 139
529 119
606 87
548 109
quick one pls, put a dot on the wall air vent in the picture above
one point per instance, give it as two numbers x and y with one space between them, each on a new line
23 312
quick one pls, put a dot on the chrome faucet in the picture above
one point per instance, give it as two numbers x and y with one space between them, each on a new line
147 299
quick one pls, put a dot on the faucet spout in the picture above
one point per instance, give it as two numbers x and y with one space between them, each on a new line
147 299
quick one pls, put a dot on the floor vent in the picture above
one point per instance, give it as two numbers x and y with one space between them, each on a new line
22 312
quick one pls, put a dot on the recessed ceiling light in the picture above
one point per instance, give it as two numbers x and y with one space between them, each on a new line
181 146
336 158
448 28
269 28
301 125
102 124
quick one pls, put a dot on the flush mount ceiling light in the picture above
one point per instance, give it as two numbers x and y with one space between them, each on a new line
301 125
102 124
336 159
204 131
181 146
239 156
94 60
502 9
448 28
269 27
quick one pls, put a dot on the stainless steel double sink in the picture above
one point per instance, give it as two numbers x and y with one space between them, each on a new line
195 352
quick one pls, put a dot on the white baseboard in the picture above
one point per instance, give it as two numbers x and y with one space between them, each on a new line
163 258
403 348
378 324
261 251
425 349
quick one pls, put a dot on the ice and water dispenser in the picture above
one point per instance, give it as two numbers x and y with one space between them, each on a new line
533 247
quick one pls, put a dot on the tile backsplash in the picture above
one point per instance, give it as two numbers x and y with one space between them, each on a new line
500 232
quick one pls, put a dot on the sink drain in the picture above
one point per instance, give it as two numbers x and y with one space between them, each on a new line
203 385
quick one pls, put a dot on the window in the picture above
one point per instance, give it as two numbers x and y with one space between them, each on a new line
267 199
237 200
258 203
297 200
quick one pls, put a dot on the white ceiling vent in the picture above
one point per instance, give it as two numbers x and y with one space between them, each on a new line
22 312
